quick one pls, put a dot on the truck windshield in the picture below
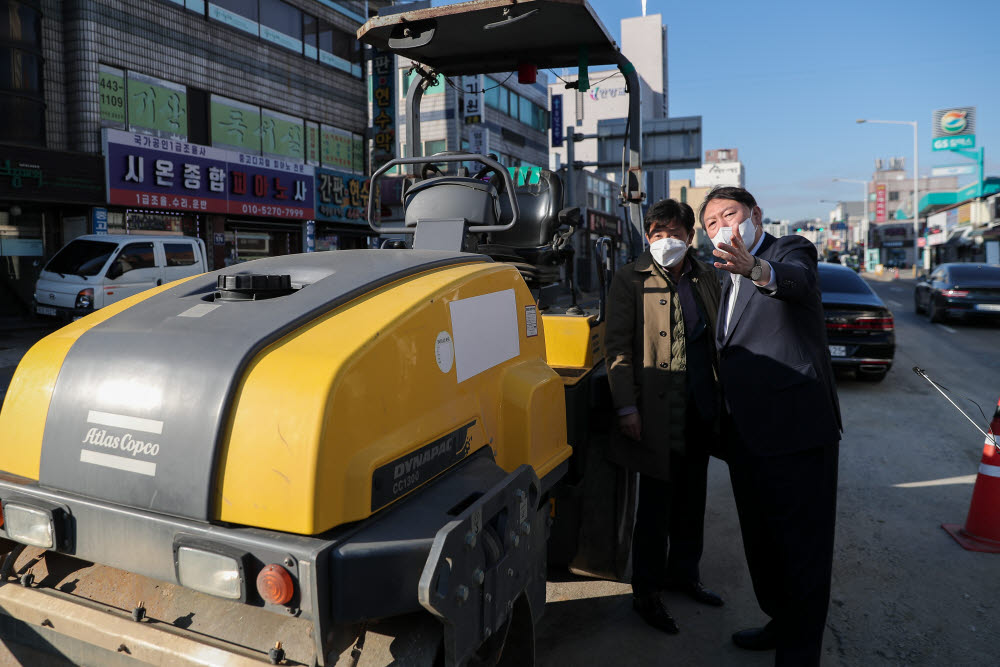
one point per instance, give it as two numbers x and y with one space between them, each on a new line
81 257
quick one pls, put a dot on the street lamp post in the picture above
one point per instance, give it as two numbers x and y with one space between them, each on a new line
916 184
864 221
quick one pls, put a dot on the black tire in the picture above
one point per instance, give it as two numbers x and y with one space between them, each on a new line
917 308
934 314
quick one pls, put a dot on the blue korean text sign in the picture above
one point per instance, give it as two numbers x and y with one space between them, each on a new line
99 220
341 197
557 120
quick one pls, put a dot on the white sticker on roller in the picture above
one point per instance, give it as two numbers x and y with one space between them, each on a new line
485 331
118 462
444 351
530 321
124 421
200 310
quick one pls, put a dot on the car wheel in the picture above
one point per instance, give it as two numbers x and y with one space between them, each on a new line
917 308
934 314
871 377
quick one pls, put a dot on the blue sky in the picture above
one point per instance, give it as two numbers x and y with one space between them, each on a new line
783 81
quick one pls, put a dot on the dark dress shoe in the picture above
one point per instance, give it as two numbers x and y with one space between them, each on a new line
655 613
757 639
698 593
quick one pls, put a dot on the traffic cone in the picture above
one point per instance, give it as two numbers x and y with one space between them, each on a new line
982 527
895 275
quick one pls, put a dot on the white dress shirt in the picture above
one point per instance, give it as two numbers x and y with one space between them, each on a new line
770 285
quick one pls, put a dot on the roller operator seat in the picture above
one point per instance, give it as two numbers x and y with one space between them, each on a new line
532 243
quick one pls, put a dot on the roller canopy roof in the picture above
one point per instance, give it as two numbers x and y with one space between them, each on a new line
495 35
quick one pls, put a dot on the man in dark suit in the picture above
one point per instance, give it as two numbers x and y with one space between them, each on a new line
662 371
784 429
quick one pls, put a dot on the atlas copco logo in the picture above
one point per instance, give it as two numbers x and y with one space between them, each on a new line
954 122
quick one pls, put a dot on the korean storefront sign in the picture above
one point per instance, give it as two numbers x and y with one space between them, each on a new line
472 105
157 106
336 149
312 142
235 125
383 85
38 174
146 171
341 197
281 135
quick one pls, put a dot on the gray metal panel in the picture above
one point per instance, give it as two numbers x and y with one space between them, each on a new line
162 374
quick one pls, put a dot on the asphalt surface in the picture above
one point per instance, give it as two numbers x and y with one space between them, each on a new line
904 592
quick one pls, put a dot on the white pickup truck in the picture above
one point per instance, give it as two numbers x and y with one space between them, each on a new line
95 270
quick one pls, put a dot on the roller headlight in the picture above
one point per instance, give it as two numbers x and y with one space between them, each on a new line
211 572
29 525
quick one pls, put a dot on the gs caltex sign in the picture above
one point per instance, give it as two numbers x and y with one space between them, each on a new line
954 128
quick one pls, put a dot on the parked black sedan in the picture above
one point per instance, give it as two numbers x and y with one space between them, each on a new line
859 327
959 290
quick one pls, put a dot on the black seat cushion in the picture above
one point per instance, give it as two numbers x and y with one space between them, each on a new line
538 213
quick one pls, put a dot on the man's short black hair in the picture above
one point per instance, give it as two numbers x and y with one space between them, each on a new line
667 210
727 192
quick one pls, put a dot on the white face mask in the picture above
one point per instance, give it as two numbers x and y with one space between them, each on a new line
668 251
747 233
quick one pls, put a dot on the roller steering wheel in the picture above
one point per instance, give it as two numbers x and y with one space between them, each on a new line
428 167
496 180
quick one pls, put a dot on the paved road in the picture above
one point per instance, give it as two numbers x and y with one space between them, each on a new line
904 593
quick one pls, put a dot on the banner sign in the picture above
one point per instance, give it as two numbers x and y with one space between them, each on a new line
954 128
157 106
146 171
880 197
383 86
341 196
557 120
111 84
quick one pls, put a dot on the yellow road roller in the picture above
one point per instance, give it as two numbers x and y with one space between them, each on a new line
353 457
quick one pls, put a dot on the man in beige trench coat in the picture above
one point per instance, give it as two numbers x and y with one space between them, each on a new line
662 366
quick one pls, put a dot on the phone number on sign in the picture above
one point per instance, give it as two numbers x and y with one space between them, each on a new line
281 211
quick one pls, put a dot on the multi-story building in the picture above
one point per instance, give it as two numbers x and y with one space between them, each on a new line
511 118
239 121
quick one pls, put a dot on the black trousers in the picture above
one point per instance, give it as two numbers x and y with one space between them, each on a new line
670 518
787 507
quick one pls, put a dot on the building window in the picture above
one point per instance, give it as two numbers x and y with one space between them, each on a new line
22 104
436 146
239 14
894 195
339 49
310 36
281 23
